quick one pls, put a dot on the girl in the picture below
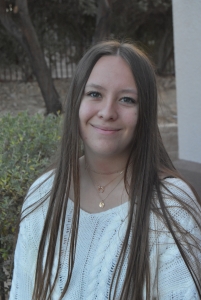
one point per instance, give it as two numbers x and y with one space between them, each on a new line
113 219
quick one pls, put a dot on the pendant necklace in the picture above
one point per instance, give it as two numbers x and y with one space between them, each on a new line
101 188
102 202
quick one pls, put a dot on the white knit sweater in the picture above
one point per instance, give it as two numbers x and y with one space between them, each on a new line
99 242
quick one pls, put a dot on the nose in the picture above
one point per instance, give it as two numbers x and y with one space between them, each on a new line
108 110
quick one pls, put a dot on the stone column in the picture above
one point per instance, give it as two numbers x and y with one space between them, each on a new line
187 43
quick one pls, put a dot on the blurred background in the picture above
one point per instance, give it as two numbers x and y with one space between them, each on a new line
64 29
42 41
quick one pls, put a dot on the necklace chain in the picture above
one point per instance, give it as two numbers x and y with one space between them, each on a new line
101 188
115 172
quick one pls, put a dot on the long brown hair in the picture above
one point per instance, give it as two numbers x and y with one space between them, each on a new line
147 159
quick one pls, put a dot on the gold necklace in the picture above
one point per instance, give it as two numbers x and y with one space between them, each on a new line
102 202
115 172
101 188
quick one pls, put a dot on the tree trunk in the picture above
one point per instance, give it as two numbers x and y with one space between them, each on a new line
26 36
103 20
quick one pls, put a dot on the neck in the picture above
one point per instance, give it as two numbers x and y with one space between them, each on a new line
104 166
104 188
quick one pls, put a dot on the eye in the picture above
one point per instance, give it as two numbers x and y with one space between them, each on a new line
94 94
128 100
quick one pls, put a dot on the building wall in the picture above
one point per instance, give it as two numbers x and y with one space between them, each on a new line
187 42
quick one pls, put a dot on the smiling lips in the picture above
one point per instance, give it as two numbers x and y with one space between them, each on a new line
104 129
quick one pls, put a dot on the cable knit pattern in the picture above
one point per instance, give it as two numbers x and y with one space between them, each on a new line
99 243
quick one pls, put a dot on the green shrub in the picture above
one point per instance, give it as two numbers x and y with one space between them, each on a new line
27 144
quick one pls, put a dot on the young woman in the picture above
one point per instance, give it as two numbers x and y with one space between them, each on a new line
113 219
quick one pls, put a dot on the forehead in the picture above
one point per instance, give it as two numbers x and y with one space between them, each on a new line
112 70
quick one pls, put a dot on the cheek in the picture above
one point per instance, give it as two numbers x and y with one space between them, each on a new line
85 112
81 112
84 117
132 120
82 132
81 121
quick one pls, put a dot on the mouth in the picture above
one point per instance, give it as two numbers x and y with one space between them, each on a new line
105 129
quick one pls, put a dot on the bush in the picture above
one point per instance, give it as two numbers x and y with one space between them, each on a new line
27 144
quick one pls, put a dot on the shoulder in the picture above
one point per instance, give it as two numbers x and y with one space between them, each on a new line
180 204
38 191
177 186
44 181
175 239
177 193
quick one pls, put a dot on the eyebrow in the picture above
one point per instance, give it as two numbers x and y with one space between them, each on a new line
93 85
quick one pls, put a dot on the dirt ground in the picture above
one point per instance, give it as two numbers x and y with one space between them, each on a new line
19 96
